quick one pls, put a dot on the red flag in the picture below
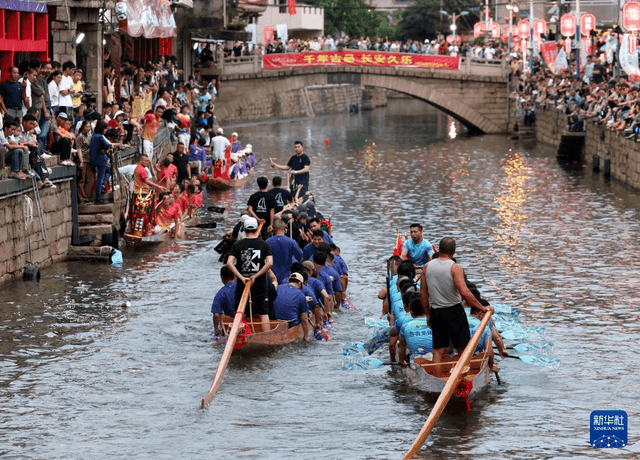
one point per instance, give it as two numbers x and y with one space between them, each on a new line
397 250
292 7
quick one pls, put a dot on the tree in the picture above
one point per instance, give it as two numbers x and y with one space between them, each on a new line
424 20
351 17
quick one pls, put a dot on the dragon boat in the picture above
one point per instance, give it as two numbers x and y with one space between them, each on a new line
253 339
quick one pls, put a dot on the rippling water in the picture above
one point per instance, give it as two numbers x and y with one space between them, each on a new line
83 377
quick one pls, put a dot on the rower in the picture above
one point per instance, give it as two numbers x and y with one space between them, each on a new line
311 248
291 304
340 265
223 302
314 224
334 276
407 297
386 292
418 250
319 261
251 258
485 342
284 250
415 334
262 204
317 287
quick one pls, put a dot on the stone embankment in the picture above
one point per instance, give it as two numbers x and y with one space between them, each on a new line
21 237
604 150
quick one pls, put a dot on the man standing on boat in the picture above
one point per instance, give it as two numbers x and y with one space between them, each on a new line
251 259
262 205
298 167
418 250
442 288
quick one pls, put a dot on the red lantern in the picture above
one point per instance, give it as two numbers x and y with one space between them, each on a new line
631 16
495 30
587 23
567 45
449 39
478 29
539 27
523 28
568 25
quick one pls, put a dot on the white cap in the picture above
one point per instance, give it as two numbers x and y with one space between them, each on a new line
118 113
250 224
220 131
234 134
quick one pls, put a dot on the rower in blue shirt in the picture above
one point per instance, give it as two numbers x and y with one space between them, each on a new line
314 224
223 302
310 249
418 250
285 251
291 304
416 337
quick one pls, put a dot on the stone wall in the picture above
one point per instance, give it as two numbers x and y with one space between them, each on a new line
14 237
616 155
551 123
373 97
326 99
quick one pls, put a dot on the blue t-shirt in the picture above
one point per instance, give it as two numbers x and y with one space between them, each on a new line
327 237
323 276
290 304
308 292
223 302
401 320
396 307
99 143
285 250
418 253
418 336
309 251
341 265
334 276
473 325
316 286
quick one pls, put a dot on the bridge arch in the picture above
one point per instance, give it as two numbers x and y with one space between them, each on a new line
478 101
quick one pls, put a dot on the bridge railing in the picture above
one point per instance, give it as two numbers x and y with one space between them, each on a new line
468 66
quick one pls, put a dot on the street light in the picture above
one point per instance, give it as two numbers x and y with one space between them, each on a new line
453 26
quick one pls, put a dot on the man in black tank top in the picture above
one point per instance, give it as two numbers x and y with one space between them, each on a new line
445 314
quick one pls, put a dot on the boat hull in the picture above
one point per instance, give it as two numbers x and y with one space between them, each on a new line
421 374
218 183
263 341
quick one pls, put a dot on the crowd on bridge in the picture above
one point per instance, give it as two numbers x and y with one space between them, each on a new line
209 53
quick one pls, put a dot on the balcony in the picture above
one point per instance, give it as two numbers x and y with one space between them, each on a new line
306 23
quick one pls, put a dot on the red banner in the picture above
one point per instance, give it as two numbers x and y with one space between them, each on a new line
549 51
359 58
292 7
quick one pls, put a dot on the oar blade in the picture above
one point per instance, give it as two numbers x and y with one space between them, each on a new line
217 209
547 363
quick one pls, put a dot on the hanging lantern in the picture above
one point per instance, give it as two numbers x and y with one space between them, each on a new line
567 45
568 25
478 29
631 16
539 28
495 30
523 28
587 23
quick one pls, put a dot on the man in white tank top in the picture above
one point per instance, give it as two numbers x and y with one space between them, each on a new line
442 288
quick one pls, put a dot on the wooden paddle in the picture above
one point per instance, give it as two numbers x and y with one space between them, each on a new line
449 388
218 209
228 349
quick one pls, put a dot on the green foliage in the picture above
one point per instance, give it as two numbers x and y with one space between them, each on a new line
424 20
351 17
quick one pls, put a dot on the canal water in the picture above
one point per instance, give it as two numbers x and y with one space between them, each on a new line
82 376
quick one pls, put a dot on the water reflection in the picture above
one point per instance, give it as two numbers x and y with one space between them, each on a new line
80 374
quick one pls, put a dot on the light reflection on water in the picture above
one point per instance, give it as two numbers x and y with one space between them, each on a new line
83 377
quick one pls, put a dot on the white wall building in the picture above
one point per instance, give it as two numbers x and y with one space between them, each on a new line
308 22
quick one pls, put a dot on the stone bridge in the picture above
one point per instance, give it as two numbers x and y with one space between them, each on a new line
476 95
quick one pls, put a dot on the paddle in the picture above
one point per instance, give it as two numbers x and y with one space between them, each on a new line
547 363
449 388
206 225
218 209
228 349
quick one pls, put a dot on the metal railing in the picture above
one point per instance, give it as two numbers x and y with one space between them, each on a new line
468 66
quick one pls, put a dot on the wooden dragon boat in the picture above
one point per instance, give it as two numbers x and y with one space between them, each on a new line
260 341
429 377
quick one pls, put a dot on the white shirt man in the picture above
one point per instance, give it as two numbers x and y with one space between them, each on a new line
65 100
219 143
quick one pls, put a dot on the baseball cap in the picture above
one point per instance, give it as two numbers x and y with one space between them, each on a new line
250 224
296 277
63 115
234 134
118 113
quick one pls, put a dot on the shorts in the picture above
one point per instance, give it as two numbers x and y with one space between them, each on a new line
258 303
450 324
